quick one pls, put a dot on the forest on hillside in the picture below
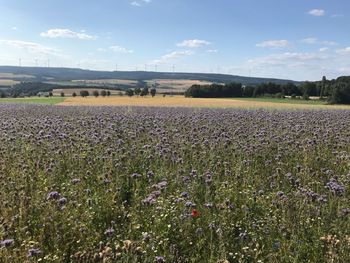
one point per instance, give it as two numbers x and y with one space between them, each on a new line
336 91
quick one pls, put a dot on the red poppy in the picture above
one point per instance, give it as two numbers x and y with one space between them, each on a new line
195 213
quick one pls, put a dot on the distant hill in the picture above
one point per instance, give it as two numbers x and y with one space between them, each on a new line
40 74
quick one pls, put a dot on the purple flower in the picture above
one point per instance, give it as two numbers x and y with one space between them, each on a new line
345 211
53 195
150 175
135 175
160 259
75 181
190 204
62 201
33 252
208 205
281 195
185 194
6 242
161 185
109 232
335 187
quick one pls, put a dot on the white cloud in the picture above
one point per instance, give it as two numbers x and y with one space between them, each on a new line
329 43
323 49
135 3
299 65
344 51
193 43
119 49
317 12
212 51
309 40
274 43
173 56
285 59
337 16
140 2
313 40
66 33
14 28
345 70
32 47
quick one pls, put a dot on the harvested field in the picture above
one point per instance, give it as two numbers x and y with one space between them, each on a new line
107 81
175 85
180 101
15 76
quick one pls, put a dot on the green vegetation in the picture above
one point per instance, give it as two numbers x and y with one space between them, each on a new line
336 91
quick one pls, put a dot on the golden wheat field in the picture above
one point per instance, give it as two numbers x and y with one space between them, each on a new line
180 101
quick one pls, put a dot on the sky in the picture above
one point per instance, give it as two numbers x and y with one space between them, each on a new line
299 39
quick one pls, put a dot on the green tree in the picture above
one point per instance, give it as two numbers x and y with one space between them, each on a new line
95 93
153 92
137 91
62 94
103 93
129 92
144 91
340 93
84 93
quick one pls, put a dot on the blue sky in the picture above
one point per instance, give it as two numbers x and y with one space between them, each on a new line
300 39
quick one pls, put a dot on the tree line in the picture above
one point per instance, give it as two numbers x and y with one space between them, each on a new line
334 91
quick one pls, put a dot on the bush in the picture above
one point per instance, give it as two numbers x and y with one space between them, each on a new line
62 94
306 96
279 95
74 94
103 93
95 93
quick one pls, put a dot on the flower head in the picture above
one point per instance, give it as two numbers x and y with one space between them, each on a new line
194 213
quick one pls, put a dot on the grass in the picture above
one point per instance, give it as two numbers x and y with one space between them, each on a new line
47 101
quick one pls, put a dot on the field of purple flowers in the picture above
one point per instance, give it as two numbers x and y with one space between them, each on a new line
80 184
